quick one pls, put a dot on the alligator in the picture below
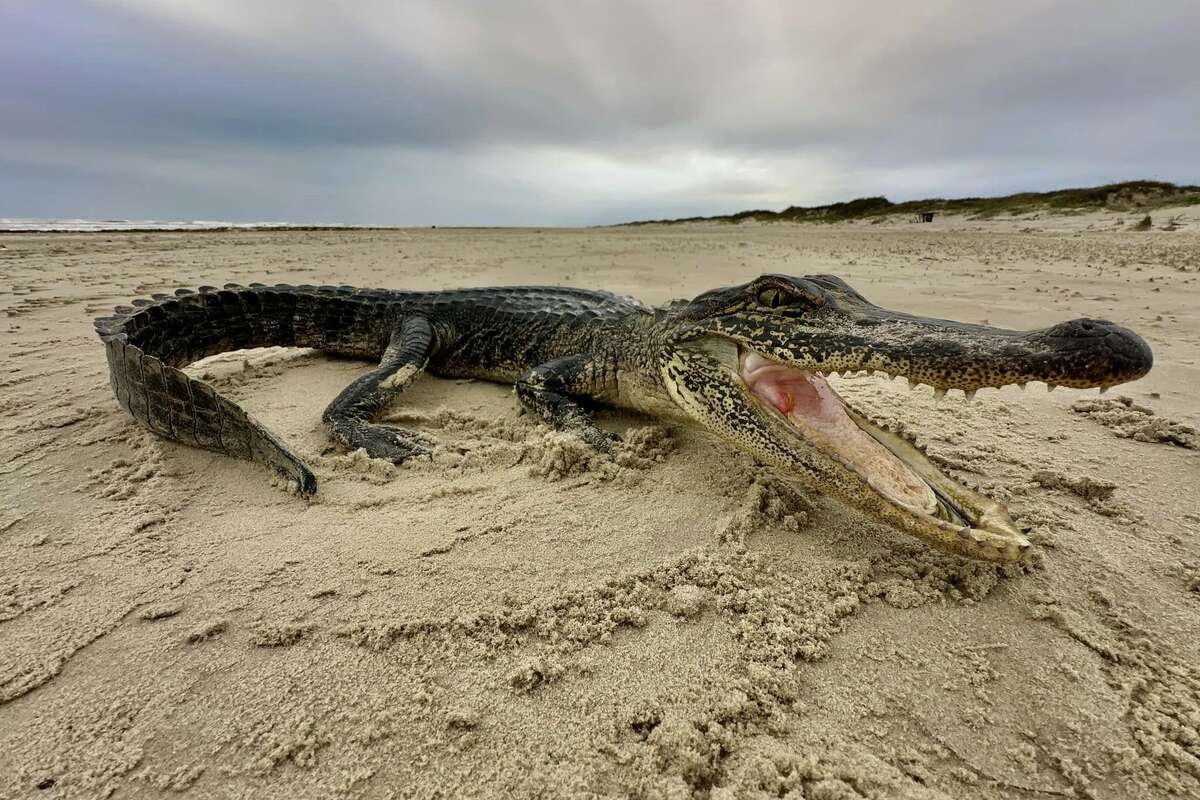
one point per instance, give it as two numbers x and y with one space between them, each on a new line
747 362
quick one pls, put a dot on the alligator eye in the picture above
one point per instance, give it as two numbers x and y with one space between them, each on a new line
786 294
774 297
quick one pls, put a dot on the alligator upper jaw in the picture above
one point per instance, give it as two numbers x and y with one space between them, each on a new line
944 354
894 478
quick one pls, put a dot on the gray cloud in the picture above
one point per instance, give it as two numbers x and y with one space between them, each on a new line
544 113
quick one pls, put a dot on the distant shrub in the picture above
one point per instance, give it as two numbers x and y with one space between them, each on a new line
1145 225
1127 196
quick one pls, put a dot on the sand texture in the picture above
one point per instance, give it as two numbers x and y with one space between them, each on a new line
519 617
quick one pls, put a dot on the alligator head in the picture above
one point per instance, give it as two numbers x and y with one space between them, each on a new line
749 361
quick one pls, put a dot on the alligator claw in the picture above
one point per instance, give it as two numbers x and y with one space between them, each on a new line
391 444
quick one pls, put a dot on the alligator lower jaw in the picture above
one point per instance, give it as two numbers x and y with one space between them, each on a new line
921 497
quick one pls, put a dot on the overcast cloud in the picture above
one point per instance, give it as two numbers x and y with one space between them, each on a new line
544 113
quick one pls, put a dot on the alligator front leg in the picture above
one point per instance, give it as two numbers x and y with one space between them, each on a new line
349 416
548 389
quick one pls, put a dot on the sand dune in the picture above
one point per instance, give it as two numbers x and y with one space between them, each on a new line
518 617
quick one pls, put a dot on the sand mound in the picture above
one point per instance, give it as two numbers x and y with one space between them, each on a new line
1130 420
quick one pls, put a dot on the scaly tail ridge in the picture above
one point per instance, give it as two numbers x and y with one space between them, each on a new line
162 398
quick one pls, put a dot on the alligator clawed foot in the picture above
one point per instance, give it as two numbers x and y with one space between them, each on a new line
601 441
391 444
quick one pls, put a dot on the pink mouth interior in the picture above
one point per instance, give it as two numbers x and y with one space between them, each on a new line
812 406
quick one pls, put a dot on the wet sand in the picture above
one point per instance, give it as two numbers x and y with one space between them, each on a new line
518 617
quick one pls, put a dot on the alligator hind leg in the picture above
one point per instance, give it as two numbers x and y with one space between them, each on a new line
549 390
349 416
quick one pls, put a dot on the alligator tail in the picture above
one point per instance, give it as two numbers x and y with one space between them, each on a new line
147 342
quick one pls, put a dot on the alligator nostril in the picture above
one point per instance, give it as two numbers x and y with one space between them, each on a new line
1082 328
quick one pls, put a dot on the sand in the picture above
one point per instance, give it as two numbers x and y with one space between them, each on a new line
518 617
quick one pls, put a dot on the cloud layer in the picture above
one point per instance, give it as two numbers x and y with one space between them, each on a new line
578 113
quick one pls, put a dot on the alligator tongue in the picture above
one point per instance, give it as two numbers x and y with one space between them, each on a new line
811 405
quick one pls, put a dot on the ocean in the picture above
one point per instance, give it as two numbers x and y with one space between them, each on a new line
11 225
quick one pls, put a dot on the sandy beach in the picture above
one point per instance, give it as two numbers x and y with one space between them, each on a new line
519 617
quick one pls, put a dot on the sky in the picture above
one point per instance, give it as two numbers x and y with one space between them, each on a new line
577 112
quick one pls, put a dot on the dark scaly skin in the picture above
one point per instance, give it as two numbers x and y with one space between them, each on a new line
560 346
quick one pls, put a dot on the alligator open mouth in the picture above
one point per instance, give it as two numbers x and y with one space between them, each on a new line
752 367
810 404
891 466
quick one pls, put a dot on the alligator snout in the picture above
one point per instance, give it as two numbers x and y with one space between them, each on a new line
1096 351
